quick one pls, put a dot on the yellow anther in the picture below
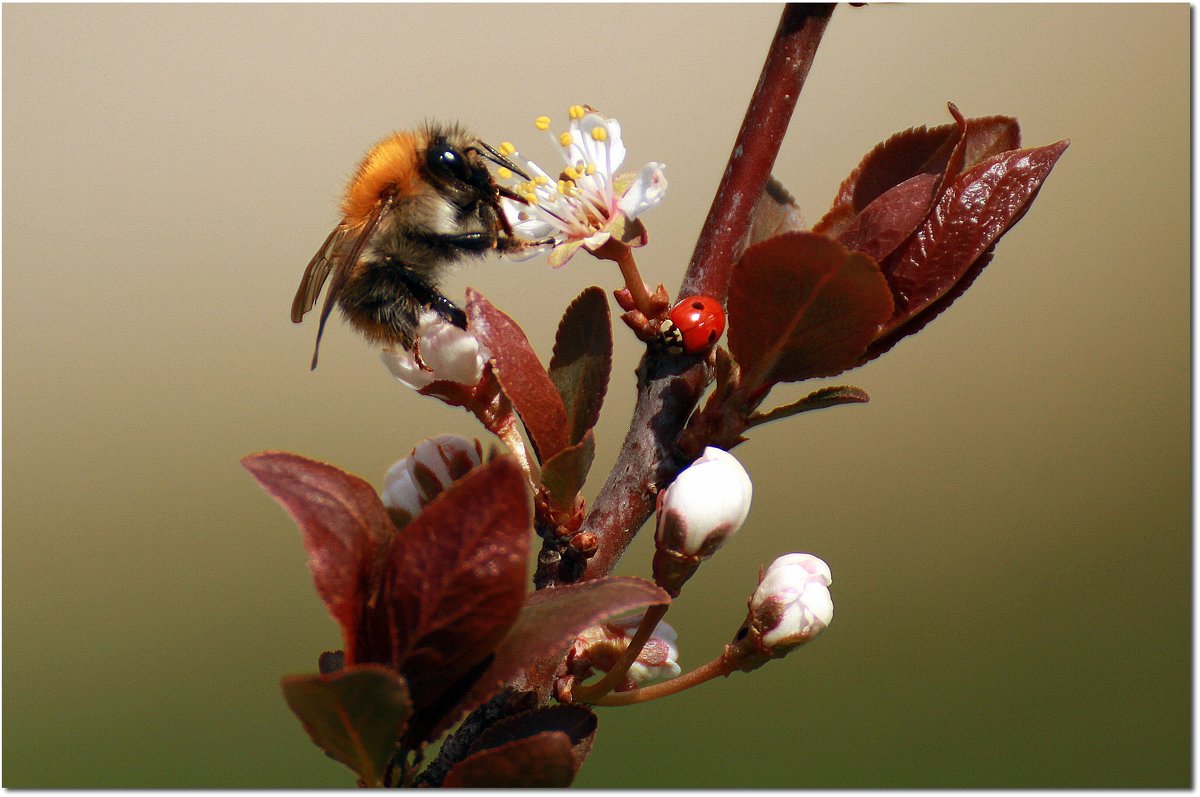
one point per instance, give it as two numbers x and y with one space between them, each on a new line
571 173
530 198
576 111
565 187
542 123
541 179
504 174
564 139
507 148
599 134
591 168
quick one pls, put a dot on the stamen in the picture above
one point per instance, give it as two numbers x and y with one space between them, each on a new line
542 123
564 140
576 112
504 173
599 134
507 149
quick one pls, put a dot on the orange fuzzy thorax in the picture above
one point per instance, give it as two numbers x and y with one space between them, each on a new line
395 161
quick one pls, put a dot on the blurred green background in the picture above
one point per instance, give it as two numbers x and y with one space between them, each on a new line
1008 520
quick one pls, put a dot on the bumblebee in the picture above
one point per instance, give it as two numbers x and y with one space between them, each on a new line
420 201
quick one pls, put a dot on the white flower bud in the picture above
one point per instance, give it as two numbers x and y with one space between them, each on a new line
432 466
794 597
442 352
697 513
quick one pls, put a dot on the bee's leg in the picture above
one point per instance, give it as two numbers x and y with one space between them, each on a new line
462 242
427 296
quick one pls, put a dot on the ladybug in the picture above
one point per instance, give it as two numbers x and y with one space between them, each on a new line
693 325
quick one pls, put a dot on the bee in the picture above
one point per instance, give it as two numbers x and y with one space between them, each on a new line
419 201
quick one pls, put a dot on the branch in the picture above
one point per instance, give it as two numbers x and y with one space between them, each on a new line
669 387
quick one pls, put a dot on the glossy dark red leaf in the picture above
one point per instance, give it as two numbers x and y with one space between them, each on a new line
971 215
544 760
456 579
356 715
884 201
801 306
548 623
891 217
522 376
578 722
346 530
919 150
582 360
564 474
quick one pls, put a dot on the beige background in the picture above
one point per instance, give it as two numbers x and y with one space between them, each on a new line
1007 521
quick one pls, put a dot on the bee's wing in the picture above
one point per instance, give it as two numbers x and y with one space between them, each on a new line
316 273
321 271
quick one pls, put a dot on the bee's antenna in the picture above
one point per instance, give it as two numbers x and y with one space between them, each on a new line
495 157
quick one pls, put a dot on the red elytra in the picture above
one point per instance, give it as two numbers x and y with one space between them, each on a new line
695 324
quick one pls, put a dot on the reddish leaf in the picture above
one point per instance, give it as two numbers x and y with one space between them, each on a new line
356 715
875 216
346 530
582 360
919 150
543 760
548 624
801 306
565 473
817 400
978 208
456 579
891 217
578 722
522 376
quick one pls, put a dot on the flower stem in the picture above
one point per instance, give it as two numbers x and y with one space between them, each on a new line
616 674
633 281
718 667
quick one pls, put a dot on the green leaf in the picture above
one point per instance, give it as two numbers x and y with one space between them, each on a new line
357 715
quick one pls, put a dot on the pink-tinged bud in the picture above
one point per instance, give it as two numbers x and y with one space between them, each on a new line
791 606
442 352
432 466
598 648
697 513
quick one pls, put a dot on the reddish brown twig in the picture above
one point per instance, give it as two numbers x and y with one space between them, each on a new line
670 387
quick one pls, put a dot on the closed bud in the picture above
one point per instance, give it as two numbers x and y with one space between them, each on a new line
697 514
442 352
791 606
432 466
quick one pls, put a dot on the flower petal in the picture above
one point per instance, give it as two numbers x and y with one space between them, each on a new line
405 368
647 190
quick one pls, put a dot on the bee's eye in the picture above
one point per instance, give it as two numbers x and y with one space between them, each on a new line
448 163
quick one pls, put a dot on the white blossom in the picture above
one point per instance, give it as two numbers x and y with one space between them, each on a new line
588 201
